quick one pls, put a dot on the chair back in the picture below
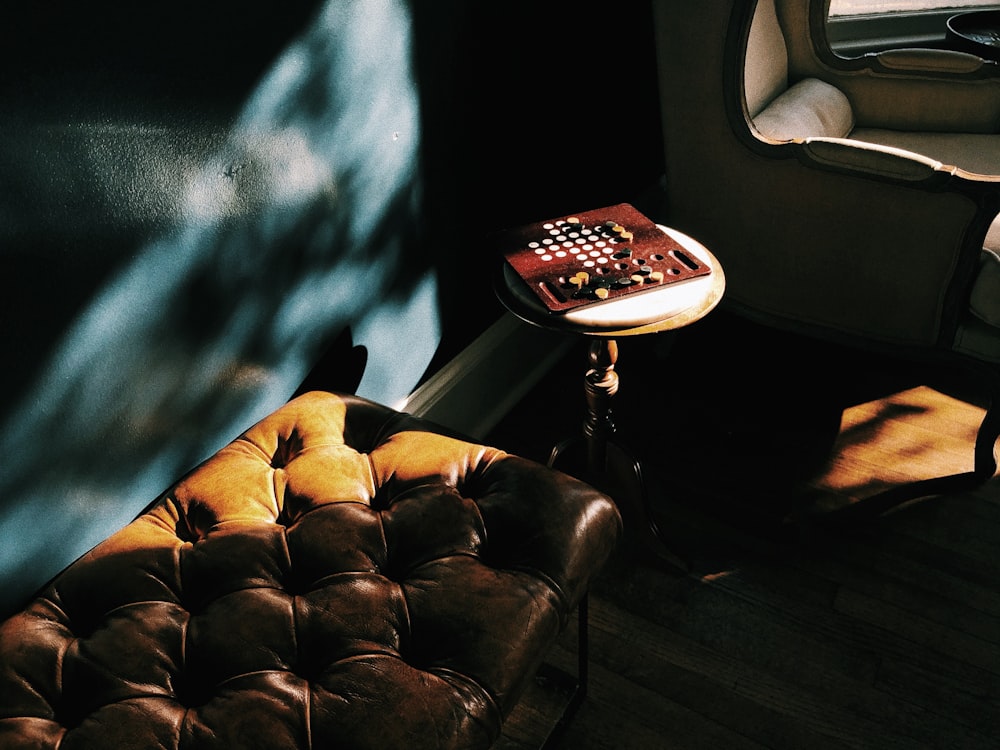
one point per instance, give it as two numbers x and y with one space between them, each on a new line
765 69
868 245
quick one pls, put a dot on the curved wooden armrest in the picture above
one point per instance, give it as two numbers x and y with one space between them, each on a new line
846 154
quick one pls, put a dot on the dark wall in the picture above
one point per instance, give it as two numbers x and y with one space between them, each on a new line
535 109
204 205
563 112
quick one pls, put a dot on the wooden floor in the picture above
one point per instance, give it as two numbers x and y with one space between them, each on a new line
885 636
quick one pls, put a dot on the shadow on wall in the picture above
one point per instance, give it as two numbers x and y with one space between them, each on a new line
175 269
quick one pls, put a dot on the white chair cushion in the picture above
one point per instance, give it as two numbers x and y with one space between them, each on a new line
809 109
984 300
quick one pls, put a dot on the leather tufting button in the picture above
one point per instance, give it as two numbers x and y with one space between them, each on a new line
134 652
296 584
332 539
191 691
284 450
352 615
429 523
233 557
252 630
69 714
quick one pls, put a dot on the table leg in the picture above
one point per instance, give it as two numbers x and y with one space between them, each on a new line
609 465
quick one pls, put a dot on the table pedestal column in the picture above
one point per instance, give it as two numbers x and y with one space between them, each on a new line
609 465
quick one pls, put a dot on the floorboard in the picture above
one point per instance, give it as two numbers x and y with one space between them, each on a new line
883 636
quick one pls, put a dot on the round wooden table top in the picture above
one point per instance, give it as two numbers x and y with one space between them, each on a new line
665 309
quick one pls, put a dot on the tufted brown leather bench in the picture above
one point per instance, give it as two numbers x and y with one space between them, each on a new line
341 576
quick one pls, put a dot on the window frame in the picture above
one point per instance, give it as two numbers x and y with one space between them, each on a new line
856 35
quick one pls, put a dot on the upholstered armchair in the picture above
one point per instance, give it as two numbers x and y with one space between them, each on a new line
849 200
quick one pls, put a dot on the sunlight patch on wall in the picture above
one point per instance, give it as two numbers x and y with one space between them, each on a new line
292 228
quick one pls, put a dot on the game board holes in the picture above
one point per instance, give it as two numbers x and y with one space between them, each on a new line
685 260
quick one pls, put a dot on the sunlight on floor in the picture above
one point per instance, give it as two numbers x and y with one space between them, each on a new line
914 434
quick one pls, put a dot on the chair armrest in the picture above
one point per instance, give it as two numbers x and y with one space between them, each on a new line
872 159
928 61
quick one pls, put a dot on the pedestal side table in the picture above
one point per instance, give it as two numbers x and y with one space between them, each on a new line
605 460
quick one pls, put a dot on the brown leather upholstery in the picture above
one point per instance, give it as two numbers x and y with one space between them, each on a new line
342 575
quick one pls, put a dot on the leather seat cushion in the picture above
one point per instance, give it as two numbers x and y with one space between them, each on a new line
342 575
